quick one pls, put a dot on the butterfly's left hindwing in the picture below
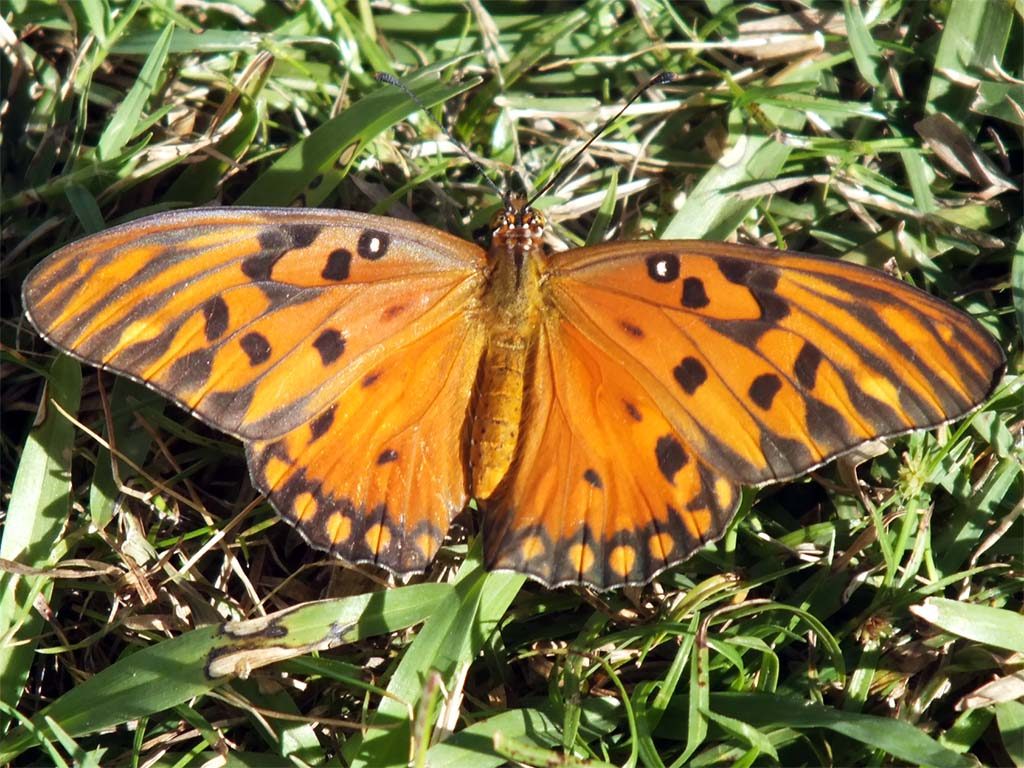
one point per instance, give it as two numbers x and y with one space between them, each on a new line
604 490
341 347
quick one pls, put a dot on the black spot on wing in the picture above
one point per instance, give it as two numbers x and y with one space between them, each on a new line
633 330
274 242
633 411
318 427
671 456
260 267
761 280
370 379
330 344
215 317
392 312
744 332
256 348
284 237
690 374
303 235
806 366
593 478
694 295
763 390
338 265
663 267
274 239
281 294
734 270
387 456
757 277
373 244
773 307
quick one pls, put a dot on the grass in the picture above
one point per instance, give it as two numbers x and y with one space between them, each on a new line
152 610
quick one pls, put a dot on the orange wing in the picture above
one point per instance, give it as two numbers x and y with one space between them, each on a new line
670 373
296 331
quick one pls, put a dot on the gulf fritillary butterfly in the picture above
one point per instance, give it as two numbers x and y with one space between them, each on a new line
603 404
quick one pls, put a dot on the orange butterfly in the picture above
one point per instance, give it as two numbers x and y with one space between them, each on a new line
604 404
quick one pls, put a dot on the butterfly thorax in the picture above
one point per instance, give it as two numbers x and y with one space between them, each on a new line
512 307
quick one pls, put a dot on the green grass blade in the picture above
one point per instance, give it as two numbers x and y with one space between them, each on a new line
36 515
896 738
862 46
975 35
168 673
126 121
451 638
292 176
713 209
996 627
473 747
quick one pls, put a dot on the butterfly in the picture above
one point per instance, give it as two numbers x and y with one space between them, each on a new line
604 405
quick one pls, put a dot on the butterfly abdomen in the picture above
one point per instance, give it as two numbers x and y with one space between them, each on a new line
498 413
511 307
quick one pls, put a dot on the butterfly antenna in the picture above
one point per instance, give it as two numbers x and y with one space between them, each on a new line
661 78
387 79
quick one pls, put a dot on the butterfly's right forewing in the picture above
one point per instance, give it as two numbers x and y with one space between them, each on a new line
341 347
254 319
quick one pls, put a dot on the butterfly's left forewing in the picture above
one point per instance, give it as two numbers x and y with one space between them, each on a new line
786 360
670 373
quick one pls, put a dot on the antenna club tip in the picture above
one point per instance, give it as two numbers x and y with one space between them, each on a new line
385 77
663 78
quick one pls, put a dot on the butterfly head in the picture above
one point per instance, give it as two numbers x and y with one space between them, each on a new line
517 226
